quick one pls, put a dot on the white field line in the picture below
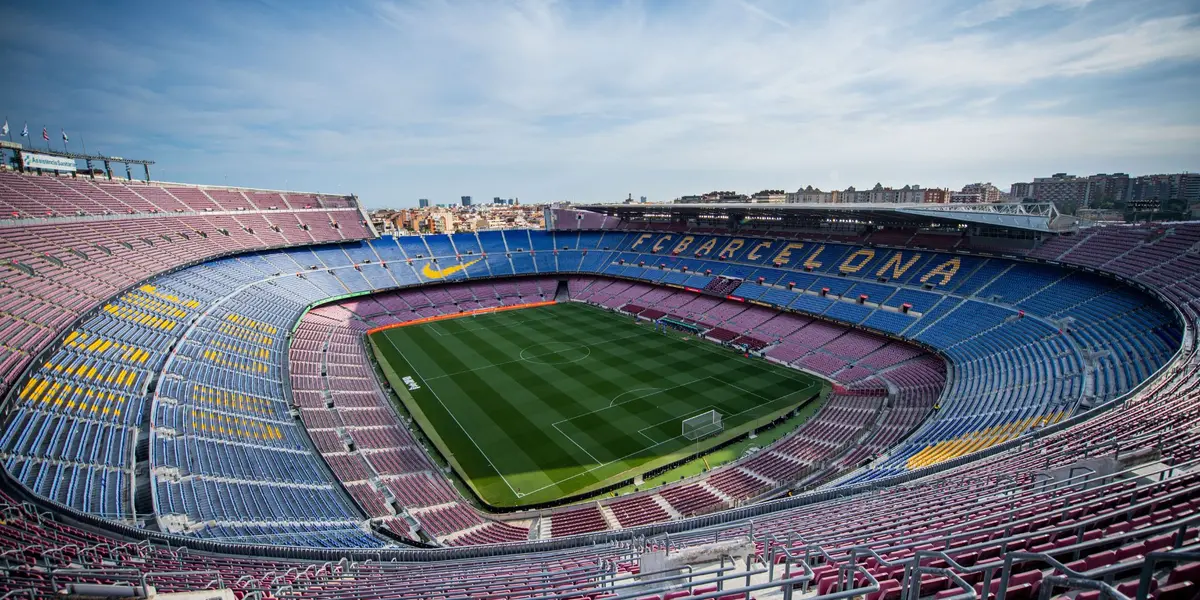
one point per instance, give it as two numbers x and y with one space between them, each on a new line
453 416
508 362
636 452
613 402
705 345
604 408
698 412
577 445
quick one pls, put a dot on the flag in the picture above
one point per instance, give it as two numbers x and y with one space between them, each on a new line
65 138
45 134
5 130
25 132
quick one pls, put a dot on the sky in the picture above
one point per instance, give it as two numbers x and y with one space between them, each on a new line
592 101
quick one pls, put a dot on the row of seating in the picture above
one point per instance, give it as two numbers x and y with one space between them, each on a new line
61 264
27 195
233 334
978 512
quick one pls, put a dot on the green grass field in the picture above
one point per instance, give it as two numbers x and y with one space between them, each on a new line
536 404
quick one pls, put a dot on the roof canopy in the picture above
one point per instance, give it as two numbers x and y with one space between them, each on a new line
1039 217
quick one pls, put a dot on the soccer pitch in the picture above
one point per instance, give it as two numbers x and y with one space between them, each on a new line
537 404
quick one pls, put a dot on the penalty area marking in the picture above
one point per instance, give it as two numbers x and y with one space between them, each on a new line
656 443
613 402
697 412
611 405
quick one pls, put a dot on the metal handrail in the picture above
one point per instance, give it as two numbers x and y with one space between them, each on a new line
220 583
1005 527
1152 561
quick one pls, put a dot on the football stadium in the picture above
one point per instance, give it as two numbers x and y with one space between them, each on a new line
245 393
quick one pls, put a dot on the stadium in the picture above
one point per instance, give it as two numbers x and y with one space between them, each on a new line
244 393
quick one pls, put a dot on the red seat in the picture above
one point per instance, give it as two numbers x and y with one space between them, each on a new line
931 584
1124 552
1184 590
1185 572
888 590
1129 588
1101 559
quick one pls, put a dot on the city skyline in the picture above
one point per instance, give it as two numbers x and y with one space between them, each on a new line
398 101
987 191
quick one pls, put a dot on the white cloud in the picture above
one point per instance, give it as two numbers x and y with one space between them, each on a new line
571 100
992 10
759 11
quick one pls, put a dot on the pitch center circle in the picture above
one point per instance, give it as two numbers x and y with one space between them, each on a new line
556 353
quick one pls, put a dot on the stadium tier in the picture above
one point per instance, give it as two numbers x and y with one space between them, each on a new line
195 365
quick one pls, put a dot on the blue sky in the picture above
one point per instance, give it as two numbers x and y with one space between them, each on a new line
589 101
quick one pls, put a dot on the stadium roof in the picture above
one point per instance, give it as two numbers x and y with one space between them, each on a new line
1039 217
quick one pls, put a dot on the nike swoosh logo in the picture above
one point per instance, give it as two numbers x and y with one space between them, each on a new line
431 273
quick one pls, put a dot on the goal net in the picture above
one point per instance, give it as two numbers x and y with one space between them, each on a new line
702 425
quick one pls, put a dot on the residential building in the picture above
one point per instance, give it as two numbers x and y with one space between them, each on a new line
1068 192
853 196
713 197
452 219
882 195
986 191
769 197
810 195
1021 191
1112 191
910 194
1109 191
1176 192
936 195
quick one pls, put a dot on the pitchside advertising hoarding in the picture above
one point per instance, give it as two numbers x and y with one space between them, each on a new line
46 162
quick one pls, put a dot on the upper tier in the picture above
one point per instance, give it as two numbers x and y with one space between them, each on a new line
31 196
91 240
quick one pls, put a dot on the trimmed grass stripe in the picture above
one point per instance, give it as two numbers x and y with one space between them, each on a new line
535 405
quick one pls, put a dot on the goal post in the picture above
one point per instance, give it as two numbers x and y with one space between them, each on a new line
702 425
